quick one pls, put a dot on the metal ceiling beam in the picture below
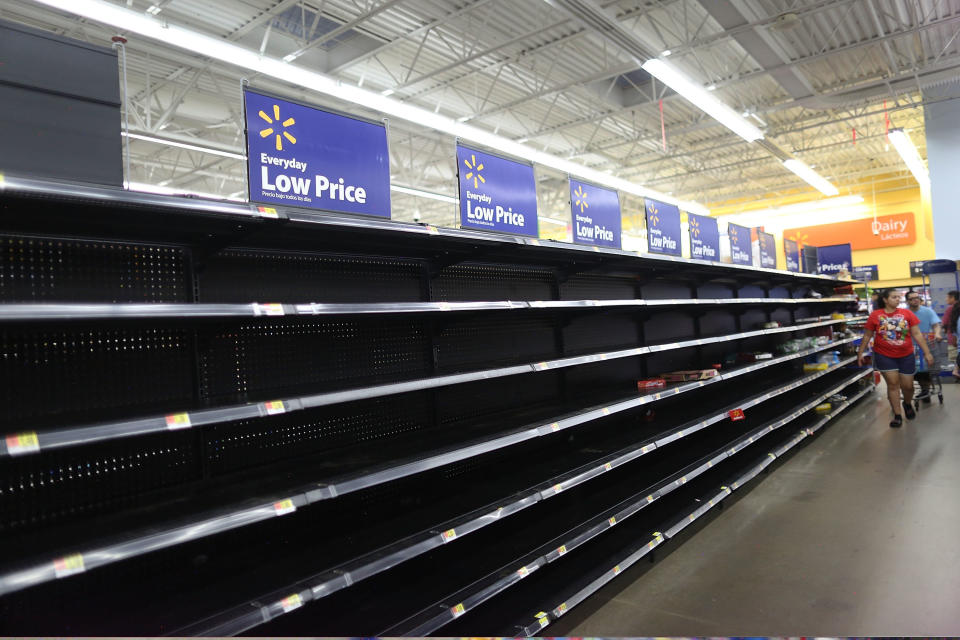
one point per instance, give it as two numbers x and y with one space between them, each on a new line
407 36
894 66
761 47
347 26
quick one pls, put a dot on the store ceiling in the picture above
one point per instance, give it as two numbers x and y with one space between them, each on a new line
809 72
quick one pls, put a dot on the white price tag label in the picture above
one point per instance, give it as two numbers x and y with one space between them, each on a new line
291 602
274 407
178 421
69 565
268 309
283 507
21 443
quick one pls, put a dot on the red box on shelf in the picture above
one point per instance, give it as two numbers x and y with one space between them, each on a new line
694 374
651 383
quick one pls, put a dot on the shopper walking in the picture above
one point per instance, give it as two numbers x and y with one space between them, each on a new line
930 327
895 331
950 317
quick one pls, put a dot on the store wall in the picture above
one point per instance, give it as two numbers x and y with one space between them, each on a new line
942 123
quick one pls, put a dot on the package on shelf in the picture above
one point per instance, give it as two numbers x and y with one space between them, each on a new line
770 325
823 408
815 366
746 357
651 383
827 357
693 374
790 346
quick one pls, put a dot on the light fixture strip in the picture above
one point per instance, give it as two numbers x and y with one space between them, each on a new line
423 194
701 98
802 207
219 49
911 157
184 145
811 177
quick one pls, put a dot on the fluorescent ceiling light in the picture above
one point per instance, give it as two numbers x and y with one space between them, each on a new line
173 191
387 92
184 145
552 220
811 177
666 53
423 194
682 84
154 10
814 205
219 49
908 151
290 57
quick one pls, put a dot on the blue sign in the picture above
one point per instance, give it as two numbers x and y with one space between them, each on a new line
304 157
704 237
741 247
596 214
866 273
791 250
768 250
496 194
663 227
835 258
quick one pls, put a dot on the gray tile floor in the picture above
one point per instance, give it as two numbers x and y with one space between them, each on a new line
858 534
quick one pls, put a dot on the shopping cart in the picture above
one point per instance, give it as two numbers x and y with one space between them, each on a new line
941 363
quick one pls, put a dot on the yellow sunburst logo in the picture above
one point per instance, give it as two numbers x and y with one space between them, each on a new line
269 131
800 239
695 227
474 170
580 198
653 214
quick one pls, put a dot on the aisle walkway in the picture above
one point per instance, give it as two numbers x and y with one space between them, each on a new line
858 534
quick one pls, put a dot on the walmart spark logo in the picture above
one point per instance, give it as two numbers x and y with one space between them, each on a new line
580 198
695 227
265 133
653 215
800 239
734 238
474 171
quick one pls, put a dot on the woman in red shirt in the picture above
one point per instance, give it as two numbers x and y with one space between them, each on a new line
892 329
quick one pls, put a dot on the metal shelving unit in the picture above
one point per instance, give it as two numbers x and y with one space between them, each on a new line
442 385
570 595
437 616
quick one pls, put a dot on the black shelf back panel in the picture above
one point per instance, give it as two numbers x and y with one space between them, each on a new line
257 360
69 373
476 282
296 277
51 269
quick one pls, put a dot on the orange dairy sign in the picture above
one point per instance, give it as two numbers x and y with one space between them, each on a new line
867 233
